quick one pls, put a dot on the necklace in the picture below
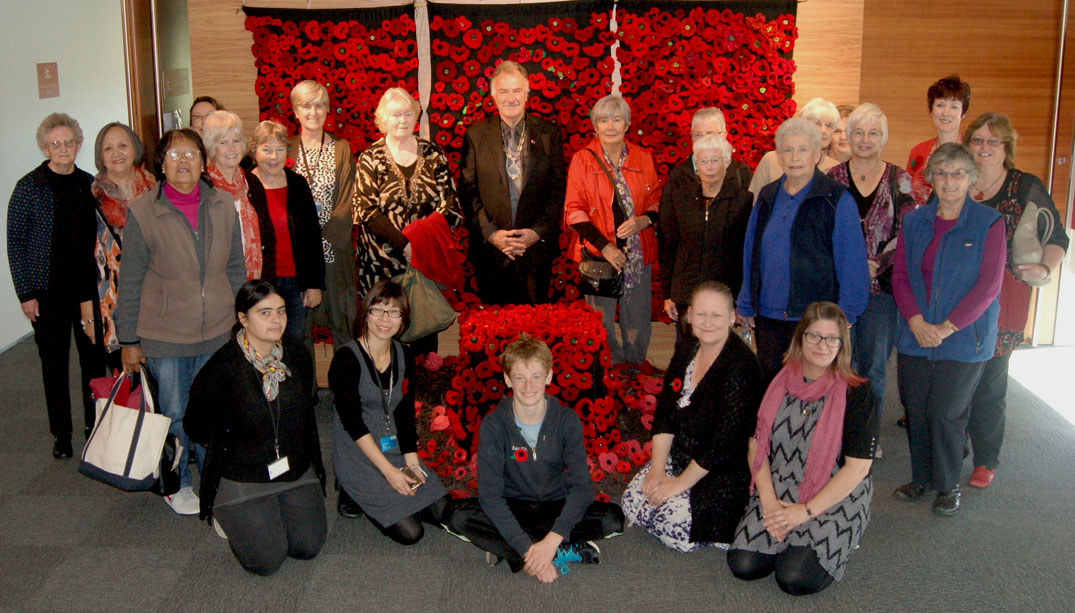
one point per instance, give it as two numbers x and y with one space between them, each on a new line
981 192
409 186
514 154
305 160
873 167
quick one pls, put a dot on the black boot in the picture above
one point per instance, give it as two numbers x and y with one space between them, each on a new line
61 447
345 506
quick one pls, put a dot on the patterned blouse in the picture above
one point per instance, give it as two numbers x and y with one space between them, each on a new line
386 202
893 198
319 167
111 217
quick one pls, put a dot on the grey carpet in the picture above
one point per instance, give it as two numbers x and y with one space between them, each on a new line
70 544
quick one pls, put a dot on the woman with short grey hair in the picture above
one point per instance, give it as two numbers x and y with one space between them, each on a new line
803 244
883 193
949 266
704 212
822 114
613 194
51 230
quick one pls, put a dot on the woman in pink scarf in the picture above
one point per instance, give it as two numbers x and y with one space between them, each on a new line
222 134
811 489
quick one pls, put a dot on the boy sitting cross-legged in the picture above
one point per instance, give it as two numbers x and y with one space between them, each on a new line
535 505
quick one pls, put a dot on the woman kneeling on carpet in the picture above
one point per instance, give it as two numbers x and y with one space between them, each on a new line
374 438
810 459
705 415
250 405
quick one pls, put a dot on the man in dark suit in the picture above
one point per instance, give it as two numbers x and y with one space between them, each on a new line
512 189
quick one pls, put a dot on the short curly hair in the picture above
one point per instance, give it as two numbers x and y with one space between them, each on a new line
53 121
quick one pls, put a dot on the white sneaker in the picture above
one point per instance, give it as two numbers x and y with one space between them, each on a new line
184 502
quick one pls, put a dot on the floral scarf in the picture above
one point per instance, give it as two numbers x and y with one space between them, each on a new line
632 271
272 369
248 217
828 433
110 199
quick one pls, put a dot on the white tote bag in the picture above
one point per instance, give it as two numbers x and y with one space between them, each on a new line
124 449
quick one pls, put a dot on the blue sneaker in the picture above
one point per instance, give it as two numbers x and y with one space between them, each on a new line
586 553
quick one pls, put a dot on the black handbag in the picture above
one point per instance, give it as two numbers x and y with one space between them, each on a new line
598 277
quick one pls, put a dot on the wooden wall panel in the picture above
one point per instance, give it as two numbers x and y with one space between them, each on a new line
828 52
1005 49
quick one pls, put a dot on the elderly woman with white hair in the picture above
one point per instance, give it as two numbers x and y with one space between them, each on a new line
884 196
817 111
51 230
704 213
329 168
613 195
290 234
803 244
401 178
222 135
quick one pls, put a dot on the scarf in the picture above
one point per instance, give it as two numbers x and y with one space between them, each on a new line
273 370
248 217
111 201
828 433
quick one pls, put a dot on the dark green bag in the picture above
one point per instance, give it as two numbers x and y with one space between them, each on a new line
430 312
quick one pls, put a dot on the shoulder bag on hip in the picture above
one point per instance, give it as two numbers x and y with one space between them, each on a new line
599 277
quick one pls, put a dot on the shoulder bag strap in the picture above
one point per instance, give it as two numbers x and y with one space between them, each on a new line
617 208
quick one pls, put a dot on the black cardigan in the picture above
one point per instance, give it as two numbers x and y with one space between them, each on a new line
694 246
229 414
714 431
303 226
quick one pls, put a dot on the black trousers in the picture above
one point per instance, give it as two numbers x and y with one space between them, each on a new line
987 406
265 531
58 318
773 337
409 530
536 518
936 396
798 571
524 280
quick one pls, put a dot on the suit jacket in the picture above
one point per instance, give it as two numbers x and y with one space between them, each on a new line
484 182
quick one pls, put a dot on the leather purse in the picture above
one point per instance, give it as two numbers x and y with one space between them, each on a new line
430 312
597 276
1027 247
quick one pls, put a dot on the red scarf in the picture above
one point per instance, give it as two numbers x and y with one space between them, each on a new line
828 433
113 205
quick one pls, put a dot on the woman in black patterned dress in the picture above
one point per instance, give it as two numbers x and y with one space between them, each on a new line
811 489
401 178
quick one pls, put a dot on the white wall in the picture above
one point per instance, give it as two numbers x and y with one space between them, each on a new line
85 39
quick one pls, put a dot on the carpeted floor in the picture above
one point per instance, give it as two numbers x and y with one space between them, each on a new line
70 544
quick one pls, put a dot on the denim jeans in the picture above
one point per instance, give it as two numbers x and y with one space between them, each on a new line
635 321
872 339
296 313
174 377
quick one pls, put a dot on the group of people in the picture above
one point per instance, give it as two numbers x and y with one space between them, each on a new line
238 246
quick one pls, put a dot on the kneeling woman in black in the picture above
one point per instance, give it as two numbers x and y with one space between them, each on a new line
810 461
250 405
374 439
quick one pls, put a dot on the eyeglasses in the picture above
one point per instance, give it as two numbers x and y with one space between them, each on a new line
175 154
62 144
379 312
978 141
833 342
955 174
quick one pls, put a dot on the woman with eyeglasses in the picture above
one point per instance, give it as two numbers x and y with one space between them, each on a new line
182 264
374 438
51 233
810 460
946 277
882 192
1003 187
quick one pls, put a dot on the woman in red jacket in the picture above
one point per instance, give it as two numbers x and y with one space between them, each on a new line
611 206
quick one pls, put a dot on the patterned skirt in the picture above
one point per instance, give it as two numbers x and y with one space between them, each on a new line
670 522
